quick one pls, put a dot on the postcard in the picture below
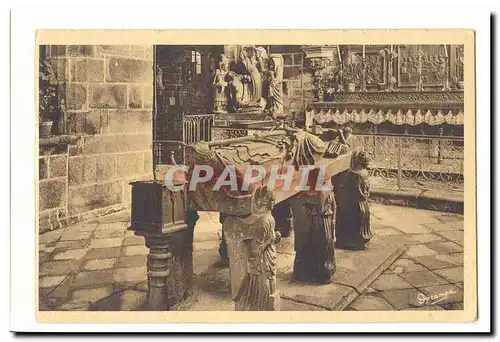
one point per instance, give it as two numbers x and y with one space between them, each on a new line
309 175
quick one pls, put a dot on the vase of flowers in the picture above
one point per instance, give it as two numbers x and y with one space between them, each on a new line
352 76
48 100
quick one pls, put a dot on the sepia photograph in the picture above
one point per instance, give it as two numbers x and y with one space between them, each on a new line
251 177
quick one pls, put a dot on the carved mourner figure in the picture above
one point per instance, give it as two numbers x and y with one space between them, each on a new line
252 256
219 85
314 224
338 145
352 189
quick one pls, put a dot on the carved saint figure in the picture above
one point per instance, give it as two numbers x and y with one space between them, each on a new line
219 86
352 189
274 85
255 78
338 145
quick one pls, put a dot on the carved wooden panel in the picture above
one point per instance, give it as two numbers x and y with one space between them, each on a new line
376 63
432 61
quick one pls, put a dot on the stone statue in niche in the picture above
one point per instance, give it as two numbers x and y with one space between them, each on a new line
255 81
220 86
275 85
253 78
338 142
352 189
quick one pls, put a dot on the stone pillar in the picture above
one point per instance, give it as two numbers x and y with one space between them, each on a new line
314 222
252 261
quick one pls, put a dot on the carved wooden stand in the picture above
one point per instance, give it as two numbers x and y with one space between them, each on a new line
314 222
160 216
252 261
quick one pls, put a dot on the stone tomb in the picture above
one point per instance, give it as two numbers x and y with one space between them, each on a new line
167 218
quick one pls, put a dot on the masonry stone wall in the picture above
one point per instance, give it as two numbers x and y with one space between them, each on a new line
297 79
108 96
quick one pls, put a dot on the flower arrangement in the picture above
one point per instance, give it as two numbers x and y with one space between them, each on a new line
49 105
47 92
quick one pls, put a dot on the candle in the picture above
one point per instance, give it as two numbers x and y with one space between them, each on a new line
445 51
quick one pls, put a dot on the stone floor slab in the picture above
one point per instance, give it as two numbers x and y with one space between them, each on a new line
62 267
370 303
387 282
131 274
89 279
453 274
75 235
401 299
82 299
411 227
51 281
116 226
418 250
445 247
100 264
434 262
71 254
456 236
423 278
50 236
82 227
133 261
103 253
387 231
133 241
427 238
442 294
358 269
438 227
45 248
449 217
129 300
290 305
403 265
108 233
65 245
104 243
135 250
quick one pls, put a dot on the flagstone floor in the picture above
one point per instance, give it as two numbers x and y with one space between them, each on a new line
100 265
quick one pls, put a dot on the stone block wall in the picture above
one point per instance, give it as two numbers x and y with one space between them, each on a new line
108 96
297 79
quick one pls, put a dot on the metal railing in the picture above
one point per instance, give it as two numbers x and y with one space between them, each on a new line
414 161
195 128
